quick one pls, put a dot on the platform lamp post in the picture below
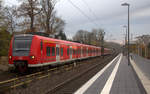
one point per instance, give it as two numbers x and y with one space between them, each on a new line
126 34
128 5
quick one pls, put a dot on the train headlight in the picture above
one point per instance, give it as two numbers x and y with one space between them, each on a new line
32 57
10 57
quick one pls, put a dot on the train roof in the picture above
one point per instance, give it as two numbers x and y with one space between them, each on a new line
64 41
56 40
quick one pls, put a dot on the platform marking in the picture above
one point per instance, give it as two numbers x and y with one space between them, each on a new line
93 79
111 78
143 78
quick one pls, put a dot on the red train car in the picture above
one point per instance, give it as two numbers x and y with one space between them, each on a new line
36 51
107 51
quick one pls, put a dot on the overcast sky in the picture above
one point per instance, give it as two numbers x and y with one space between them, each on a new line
106 14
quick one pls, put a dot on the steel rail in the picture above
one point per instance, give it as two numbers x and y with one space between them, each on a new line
52 90
19 81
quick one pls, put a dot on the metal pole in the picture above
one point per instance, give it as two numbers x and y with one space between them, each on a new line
102 43
126 4
128 37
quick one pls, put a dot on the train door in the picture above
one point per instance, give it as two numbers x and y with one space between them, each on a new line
70 52
57 52
41 44
81 51
87 52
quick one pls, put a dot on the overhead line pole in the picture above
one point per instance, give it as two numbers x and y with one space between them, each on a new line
126 4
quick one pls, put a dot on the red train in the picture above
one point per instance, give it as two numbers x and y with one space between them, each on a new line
37 51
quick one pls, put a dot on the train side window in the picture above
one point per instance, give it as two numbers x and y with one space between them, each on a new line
67 51
74 51
41 45
57 51
83 51
53 51
61 51
86 51
79 51
48 51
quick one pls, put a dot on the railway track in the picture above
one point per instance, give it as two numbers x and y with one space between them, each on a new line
59 87
26 79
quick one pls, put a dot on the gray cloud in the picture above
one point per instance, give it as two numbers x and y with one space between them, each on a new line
110 15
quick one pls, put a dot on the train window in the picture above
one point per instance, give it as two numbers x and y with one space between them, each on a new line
67 51
61 51
74 51
79 51
53 51
48 51
57 51
41 45
87 51
83 51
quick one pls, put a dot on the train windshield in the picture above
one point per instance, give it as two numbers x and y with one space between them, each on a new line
21 46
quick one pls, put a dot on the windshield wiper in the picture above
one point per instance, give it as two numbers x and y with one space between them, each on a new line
22 49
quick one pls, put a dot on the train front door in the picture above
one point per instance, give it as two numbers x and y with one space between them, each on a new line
57 53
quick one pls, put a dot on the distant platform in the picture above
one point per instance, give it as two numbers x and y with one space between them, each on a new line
118 77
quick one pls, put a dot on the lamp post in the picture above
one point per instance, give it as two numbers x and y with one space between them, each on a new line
126 34
128 5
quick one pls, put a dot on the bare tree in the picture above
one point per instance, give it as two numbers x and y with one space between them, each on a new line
82 36
29 8
1 15
86 37
10 18
48 14
57 25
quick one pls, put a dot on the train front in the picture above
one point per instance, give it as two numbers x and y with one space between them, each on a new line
19 52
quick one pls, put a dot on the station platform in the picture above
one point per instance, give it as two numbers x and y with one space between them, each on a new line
119 77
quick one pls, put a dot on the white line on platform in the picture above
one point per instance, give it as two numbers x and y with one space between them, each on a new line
93 79
144 79
111 78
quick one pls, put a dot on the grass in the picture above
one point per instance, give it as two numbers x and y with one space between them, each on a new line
4 60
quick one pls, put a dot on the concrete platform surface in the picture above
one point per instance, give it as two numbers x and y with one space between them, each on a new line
115 78
142 69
